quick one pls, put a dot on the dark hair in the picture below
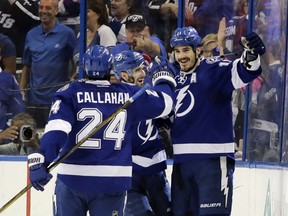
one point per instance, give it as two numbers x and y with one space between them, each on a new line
239 7
131 4
99 7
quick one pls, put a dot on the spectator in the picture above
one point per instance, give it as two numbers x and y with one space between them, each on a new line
150 190
269 20
265 125
209 46
48 52
8 54
213 45
119 10
237 27
209 13
238 102
17 18
162 17
25 138
238 109
69 11
139 39
105 170
9 134
10 97
202 131
99 33
69 7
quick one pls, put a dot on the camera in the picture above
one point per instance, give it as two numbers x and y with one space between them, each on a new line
26 133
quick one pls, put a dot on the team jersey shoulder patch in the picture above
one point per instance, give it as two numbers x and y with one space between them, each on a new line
217 60
212 60
82 80
64 88
224 63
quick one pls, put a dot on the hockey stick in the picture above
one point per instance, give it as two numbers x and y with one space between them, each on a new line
77 145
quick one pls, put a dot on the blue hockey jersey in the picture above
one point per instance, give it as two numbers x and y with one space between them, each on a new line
202 124
149 156
103 163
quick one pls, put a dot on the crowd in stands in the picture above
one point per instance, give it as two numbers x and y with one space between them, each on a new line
39 35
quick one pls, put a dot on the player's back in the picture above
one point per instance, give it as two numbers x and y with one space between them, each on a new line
84 105
105 158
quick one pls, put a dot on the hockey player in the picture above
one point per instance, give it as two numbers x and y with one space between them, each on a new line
202 131
150 191
96 176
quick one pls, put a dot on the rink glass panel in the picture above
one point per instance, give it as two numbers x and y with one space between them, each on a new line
266 116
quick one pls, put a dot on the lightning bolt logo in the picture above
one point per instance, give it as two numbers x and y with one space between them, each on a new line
184 93
149 130
224 178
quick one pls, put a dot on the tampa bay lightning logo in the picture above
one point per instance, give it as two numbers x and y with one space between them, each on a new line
118 57
148 129
181 79
63 88
212 60
181 108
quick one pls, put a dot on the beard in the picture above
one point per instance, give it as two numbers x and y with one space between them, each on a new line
186 65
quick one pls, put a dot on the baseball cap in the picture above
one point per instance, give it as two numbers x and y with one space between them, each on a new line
135 20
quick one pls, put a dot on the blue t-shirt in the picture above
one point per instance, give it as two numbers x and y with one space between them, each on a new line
48 55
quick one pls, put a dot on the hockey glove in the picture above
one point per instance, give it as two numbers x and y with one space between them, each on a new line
253 43
253 47
39 175
162 71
